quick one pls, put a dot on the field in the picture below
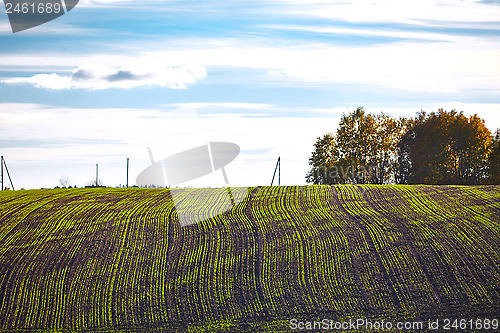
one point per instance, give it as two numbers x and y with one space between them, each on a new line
118 260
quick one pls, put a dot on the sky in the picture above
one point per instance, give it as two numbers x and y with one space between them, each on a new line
109 79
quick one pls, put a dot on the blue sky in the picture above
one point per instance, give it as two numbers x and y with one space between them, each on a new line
111 78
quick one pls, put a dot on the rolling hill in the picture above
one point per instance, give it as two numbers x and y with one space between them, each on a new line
115 260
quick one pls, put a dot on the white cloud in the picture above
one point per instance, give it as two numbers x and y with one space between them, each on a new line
386 11
5 28
416 36
406 66
227 105
96 77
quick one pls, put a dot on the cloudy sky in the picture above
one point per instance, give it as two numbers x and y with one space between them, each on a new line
111 78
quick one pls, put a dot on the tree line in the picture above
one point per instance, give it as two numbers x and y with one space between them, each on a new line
431 148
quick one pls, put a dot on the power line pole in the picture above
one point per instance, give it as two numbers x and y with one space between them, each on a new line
127 170
278 167
2 162
279 171
96 174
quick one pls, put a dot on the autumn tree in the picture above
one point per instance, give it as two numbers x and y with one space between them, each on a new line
363 150
322 160
444 148
384 157
494 159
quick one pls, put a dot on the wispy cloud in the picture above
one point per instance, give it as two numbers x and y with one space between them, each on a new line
5 28
399 34
53 28
413 12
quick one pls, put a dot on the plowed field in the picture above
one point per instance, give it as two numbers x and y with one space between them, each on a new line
118 259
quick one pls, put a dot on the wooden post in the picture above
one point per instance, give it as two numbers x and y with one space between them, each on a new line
2 172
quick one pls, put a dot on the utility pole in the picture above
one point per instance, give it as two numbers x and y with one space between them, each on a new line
279 171
2 162
278 167
127 170
97 175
